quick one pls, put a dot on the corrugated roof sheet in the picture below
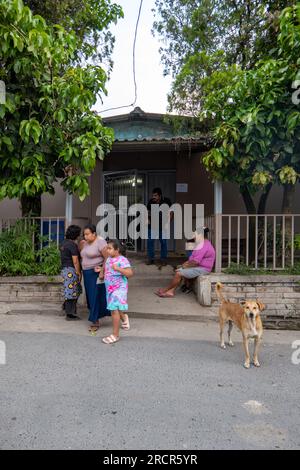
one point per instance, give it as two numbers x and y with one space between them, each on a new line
139 126
142 130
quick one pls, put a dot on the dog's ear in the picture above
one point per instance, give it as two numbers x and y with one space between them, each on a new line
260 305
243 303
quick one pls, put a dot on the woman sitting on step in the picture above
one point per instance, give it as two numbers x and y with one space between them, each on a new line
199 263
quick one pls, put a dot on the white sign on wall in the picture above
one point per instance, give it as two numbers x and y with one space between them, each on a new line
181 188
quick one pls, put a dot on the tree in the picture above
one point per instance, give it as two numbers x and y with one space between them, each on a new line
243 29
257 121
89 19
202 35
210 48
47 128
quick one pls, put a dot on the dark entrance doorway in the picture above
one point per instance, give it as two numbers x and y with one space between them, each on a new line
137 186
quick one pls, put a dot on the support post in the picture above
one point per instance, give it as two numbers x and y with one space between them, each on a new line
69 209
218 209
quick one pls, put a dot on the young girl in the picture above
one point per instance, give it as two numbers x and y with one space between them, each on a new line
117 271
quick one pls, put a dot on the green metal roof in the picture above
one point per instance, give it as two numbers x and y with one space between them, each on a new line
139 126
138 131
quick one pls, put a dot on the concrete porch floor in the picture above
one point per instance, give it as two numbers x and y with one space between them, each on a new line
143 303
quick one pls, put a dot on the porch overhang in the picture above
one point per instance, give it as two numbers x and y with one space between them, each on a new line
159 145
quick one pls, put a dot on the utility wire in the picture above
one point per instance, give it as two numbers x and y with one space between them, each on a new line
133 66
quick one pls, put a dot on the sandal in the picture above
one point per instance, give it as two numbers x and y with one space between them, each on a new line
94 328
111 339
125 323
189 290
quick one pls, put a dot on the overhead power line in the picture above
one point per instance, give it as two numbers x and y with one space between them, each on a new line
133 67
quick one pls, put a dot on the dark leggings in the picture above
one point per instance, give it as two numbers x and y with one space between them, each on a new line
70 306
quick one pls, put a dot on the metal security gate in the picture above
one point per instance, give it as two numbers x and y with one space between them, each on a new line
132 185
138 186
166 180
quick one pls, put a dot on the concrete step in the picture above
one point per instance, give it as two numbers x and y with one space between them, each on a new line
140 267
143 303
143 270
149 281
143 300
200 317
149 276
38 308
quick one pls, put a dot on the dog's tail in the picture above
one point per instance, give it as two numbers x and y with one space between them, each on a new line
219 288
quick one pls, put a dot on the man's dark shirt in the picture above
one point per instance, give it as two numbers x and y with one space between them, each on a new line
163 200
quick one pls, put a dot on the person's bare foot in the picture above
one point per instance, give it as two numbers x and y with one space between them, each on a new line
160 291
167 295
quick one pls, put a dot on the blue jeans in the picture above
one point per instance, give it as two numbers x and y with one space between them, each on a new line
152 236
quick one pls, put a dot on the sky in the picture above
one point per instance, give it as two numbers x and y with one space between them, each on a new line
152 86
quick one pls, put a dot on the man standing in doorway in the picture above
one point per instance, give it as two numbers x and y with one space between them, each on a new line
155 233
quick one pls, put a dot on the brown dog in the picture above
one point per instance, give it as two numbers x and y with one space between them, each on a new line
246 317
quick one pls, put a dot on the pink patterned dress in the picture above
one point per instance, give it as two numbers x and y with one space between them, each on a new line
116 284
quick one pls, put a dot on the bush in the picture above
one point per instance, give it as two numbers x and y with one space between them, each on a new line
19 255
244 270
297 241
49 260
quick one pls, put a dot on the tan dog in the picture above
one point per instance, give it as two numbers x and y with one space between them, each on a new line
246 317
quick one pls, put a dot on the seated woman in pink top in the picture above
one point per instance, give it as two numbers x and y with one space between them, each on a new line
199 263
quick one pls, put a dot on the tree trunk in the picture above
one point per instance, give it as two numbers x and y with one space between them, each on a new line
288 198
31 206
287 208
247 198
261 220
251 209
263 200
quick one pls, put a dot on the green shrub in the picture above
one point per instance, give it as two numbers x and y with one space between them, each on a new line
49 260
297 241
241 269
244 270
19 255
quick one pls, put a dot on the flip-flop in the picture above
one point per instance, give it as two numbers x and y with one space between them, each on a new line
188 290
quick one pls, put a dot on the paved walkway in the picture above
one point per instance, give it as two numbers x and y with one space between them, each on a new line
165 385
